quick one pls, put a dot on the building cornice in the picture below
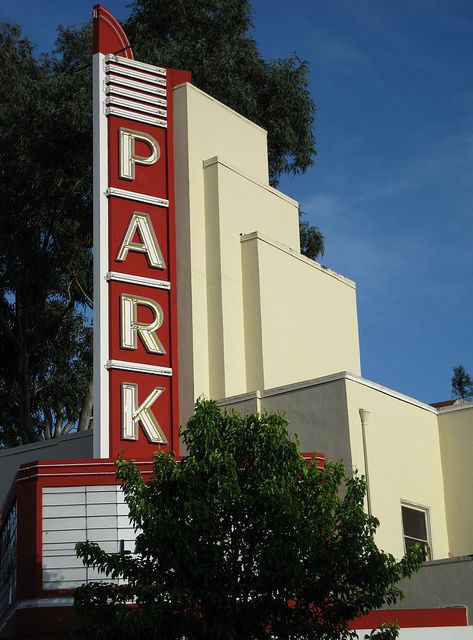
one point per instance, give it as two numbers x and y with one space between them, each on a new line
257 235
334 377
452 408
217 160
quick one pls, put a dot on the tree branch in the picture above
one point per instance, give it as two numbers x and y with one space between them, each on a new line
88 299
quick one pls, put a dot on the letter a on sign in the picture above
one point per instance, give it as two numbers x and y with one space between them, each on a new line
141 223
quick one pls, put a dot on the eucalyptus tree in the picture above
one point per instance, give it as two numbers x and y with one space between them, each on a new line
45 240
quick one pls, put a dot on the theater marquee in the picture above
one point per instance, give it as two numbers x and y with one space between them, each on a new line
135 311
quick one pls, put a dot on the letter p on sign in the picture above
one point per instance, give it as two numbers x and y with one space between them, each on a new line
128 155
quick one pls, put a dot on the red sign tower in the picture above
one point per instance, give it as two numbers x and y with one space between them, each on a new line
135 311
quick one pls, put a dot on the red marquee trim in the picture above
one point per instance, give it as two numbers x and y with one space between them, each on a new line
108 35
444 617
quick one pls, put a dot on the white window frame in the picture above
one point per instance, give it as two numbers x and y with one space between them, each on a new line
426 511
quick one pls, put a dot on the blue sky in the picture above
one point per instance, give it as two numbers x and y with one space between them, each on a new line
392 184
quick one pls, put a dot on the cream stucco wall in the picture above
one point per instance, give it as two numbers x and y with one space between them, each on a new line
301 317
254 313
456 443
235 204
404 461
212 144
203 128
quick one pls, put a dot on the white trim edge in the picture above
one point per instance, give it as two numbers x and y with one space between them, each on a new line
141 280
139 197
333 377
100 222
138 367
135 64
137 117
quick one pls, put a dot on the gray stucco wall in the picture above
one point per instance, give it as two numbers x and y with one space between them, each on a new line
441 583
76 445
316 411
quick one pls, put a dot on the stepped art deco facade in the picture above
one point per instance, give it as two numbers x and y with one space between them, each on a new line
200 288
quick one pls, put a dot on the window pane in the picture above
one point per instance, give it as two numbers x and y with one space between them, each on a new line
410 542
414 523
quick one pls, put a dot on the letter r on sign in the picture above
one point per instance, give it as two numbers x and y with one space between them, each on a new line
131 328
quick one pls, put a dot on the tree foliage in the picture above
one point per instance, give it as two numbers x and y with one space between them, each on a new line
312 240
462 384
45 241
243 539
212 39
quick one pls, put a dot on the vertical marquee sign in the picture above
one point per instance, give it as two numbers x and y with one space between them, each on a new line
135 323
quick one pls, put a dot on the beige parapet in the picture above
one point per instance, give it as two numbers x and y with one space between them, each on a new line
203 129
456 442
301 317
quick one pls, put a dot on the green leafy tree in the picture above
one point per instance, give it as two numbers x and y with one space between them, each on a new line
45 242
462 384
243 539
